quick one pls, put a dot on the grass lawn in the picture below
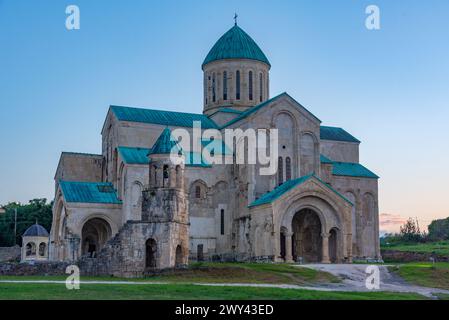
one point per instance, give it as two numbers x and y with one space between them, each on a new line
248 273
424 274
441 247
227 273
25 291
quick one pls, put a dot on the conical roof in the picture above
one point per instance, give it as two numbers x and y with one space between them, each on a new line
165 144
235 44
36 230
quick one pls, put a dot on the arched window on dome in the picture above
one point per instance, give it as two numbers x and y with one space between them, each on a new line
214 97
250 85
225 85
288 169
237 85
280 171
261 87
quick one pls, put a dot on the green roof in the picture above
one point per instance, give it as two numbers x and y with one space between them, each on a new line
161 117
260 106
325 159
235 44
165 144
289 185
336 134
352 170
89 192
349 169
132 155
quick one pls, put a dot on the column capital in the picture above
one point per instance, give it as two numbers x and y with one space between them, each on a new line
325 235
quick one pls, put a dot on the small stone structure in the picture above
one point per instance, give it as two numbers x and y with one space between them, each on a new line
35 244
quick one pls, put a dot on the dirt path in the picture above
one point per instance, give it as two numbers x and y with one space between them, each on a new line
354 277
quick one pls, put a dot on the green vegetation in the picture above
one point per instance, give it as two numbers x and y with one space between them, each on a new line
25 291
205 272
425 274
27 215
439 248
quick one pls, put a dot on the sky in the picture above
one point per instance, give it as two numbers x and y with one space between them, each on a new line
387 87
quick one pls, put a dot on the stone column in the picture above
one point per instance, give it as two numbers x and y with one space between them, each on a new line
288 247
325 245
349 247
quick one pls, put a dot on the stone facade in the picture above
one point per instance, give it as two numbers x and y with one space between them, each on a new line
213 212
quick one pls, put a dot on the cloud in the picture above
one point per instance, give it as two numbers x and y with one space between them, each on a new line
389 222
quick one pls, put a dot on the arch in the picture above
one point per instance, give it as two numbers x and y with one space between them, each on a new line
368 208
282 243
225 85
280 171
115 166
136 198
308 150
307 231
121 181
150 254
57 223
316 201
200 252
42 249
94 234
288 169
214 89
179 257
333 247
198 185
237 85
30 249
250 85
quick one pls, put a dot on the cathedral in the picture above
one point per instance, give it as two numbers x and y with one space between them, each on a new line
132 208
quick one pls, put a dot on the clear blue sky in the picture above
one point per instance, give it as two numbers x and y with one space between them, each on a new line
389 88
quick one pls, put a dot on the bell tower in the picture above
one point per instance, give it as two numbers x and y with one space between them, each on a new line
165 205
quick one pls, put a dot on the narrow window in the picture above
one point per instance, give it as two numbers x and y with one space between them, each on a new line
288 169
222 221
213 88
250 85
280 171
261 87
225 85
198 192
237 85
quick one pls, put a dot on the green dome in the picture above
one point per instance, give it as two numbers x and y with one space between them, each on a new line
236 44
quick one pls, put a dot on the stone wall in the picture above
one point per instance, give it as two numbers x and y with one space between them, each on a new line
407 256
9 254
36 269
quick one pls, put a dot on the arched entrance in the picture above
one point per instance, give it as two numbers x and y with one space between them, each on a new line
150 253
178 257
333 257
307 240
95 233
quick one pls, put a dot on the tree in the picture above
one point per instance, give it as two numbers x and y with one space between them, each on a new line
439 230
27 215
410 231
